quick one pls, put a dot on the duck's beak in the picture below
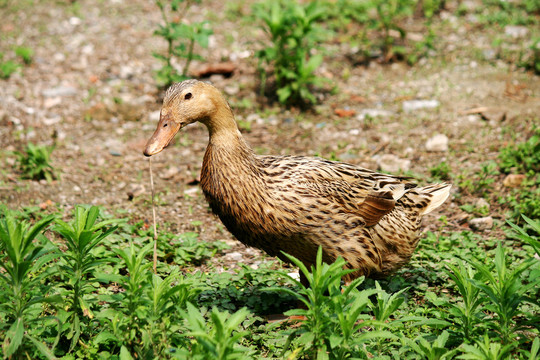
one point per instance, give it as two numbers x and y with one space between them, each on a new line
163 135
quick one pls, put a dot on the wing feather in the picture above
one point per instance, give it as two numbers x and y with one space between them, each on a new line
356 190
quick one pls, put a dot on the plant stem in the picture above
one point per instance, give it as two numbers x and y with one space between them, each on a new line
169 39
189 57
153 214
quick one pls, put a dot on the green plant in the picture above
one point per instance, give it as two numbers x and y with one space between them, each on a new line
441 171
21 292
524 236
480 182
334 316
523 157
524 200
189 250
78 264
217 338
506 291
529 58
34 162
436 350
503 13
418 313
388 15
381 28
535 350
130 310
466 312
431 7
167 295
137 278
294 34
246 287
181 38
472 209
145 319
486 350
25 53
7 67
421 48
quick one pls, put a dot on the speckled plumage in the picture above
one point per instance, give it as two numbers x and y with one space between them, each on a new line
295 204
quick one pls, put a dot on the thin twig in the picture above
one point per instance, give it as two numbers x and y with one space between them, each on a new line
153 214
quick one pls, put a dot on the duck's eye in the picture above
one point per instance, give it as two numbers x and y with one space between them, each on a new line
188 96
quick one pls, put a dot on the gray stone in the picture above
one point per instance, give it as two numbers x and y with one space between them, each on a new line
482 204
373 113
234 256
481 224
515 31
52 101
51 120
438 142
254 118
489 54
232 89
75 21
514 180
59 91
126 72
294 275
170 173
392 163
412 105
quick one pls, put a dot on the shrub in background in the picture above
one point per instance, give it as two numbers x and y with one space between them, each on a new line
294 35
181 38
34 162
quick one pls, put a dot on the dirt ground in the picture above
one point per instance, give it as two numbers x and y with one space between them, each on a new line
91 92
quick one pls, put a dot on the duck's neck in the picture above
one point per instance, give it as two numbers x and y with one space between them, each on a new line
224 133
228 155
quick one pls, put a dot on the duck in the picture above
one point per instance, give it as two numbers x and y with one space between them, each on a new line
295 204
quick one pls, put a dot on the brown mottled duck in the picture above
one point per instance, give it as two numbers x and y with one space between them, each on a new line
294 204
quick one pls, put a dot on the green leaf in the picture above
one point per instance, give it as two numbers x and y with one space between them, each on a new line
283 94
43 349
335 340
535 349
124 354
14 337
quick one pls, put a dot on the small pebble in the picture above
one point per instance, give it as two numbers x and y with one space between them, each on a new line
373 113
392 164
516 31
59 91
513 180
170 173
294 275
438 142
234 256
481 224
482 204
412 105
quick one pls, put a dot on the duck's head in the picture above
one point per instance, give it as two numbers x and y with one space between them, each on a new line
184 103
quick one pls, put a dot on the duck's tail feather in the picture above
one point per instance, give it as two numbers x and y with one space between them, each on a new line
435 194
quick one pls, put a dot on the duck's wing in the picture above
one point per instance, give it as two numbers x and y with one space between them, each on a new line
355 190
